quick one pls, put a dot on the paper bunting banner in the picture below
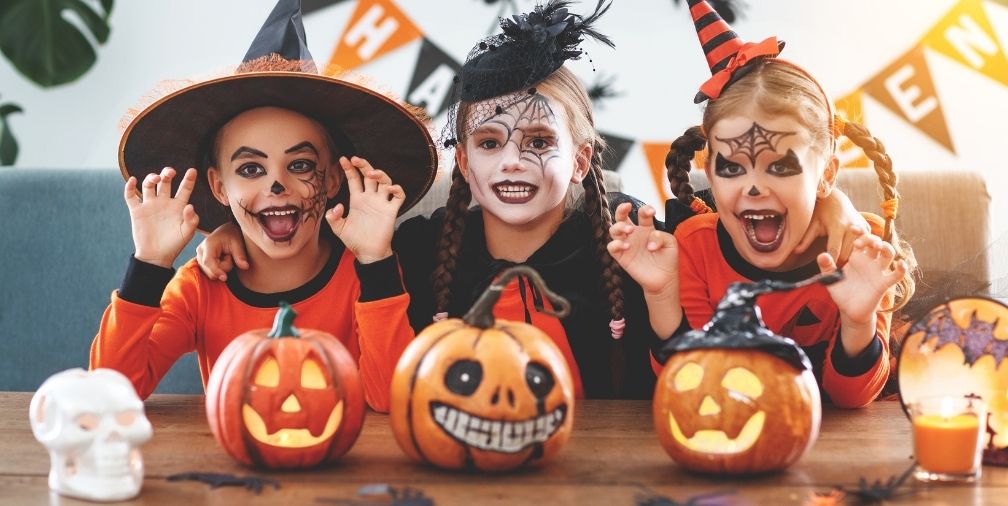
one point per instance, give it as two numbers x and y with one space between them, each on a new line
655 153
375 28
432 79
965 35
850 108
905 87
617 149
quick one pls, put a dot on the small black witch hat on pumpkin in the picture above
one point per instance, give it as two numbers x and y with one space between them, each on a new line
176 130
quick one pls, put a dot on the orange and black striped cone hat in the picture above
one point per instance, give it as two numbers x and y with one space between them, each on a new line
724 50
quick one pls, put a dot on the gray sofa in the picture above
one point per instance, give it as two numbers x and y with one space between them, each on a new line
66 242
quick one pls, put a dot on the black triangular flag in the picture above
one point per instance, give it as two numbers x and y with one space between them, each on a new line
618 149
432 80
311 6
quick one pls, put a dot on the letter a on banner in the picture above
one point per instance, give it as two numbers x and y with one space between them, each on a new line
906 88
432 79
965 35
851 156
375 28
655 153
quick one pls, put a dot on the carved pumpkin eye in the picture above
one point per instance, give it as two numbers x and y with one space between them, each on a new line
464 377
688 377
743 381
311 375
539 379
268 374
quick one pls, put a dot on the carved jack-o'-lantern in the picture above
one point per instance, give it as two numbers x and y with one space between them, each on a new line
479 394
959 349
733 397
285 398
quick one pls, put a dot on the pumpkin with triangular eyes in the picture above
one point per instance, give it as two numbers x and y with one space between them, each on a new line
480 394
285 398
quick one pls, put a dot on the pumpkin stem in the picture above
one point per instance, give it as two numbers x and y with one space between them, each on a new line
481 314
283 324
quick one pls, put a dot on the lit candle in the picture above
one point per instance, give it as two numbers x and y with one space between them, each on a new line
948 434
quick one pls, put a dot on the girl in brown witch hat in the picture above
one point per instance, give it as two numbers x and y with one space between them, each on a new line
270 147
771 133
524 135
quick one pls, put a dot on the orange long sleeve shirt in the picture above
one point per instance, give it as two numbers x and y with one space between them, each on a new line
709 263
203 315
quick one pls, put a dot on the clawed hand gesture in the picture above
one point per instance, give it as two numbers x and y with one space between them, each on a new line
869 272
162 225
367 228
649 256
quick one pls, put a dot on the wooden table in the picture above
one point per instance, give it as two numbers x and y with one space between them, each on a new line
613 457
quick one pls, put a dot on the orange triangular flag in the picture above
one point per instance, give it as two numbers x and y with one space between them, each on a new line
375 28
966 35
851 109
655 153
906 88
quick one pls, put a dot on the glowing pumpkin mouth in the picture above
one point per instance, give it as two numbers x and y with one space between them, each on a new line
716 441
497 435
289 438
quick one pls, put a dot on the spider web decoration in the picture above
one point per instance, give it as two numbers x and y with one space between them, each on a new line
975 340
754 141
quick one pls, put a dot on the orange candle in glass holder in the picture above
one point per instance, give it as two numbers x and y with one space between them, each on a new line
947 444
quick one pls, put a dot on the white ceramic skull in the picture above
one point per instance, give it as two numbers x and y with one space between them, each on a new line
93 424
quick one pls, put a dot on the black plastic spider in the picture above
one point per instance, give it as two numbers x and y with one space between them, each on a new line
878 491
660 500
406 496
602 89
253 483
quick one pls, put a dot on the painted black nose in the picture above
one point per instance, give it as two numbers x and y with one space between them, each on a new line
753 192
277 188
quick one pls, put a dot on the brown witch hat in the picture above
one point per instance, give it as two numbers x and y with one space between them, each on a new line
176 130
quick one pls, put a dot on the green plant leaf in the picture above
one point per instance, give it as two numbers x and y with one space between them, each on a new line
8 144
44 46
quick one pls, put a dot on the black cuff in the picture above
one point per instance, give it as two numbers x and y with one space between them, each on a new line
145 283
379 280
658 350
858 365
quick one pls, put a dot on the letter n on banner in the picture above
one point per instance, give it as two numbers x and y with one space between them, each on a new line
432 79
375 28
851 156
655 153
906 88
965 35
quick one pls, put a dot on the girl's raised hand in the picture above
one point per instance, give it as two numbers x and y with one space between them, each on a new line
374 205
868 274
649 256
221 251
162 225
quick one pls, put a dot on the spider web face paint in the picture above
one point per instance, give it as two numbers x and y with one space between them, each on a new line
753 142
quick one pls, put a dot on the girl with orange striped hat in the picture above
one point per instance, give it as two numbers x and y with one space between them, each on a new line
770 132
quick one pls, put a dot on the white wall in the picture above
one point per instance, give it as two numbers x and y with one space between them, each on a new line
657 63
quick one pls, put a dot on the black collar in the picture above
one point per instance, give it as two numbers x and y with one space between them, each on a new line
313 286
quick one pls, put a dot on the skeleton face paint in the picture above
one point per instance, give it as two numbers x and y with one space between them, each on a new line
764 178
520 159
93 424
272 168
